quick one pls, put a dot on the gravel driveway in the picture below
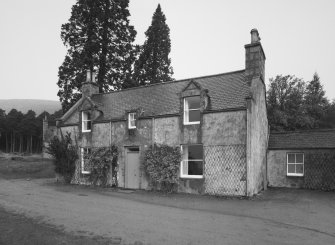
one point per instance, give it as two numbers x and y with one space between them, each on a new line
276 217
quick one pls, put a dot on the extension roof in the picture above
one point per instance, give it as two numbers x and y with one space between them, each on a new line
307 139
226 91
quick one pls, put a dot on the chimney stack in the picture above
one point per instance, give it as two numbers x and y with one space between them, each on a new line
89 87
254 58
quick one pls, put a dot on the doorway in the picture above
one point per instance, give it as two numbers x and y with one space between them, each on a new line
132 171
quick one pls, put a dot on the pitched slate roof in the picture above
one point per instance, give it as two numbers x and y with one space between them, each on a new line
303 139
226 91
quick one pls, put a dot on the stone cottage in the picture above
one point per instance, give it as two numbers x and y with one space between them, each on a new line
302 159
219 121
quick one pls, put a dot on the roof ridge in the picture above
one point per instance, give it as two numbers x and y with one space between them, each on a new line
304 131
164 83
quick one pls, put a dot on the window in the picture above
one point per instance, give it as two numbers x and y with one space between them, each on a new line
192 110
295 164
85 167
86 121
131 120
192 163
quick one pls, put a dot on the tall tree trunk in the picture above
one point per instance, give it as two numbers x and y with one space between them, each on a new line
20 143
6 142
31 144
11 142
104 51
14 136
27 146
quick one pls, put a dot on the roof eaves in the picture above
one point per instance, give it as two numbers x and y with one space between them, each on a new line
72 109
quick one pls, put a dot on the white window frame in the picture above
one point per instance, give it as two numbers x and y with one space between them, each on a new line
186 112
83 121
131 118
295 163
83 150
182 175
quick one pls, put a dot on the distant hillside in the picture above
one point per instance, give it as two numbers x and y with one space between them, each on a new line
25 105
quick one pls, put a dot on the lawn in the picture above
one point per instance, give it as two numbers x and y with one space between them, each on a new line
27 167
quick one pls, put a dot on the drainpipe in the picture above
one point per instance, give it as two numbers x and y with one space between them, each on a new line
110 133
153 132
248 148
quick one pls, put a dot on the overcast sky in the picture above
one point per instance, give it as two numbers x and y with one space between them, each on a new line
207 37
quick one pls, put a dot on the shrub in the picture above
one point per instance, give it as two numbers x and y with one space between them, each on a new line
64 156
101 161
161 163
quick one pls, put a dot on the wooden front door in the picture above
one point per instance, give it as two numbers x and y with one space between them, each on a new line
132 168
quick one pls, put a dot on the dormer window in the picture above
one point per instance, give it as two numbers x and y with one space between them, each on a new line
192 110
131 120
86 121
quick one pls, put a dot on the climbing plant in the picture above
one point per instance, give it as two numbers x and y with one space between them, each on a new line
101 160
161 163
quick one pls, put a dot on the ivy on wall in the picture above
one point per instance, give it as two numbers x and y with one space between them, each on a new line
161 163
102 160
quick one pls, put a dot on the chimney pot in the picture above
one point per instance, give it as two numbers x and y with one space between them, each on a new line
88 76
255 36
93 77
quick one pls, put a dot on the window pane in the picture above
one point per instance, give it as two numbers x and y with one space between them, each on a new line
88 115
132 123
291 168
194 116
299 168
193 102
195 168
89 125
290 158
195 152
299 158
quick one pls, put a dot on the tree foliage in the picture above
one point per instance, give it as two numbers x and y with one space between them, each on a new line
294 104
22 133
97 36
65 155
154 64
315 101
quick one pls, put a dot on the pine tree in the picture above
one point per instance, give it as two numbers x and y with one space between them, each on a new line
97 36
315 101
154 64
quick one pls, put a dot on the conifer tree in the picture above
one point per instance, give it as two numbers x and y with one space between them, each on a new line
315 101
97 36
154 64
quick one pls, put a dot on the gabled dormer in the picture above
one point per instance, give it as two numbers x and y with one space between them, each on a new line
85 111
89 111
194 101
